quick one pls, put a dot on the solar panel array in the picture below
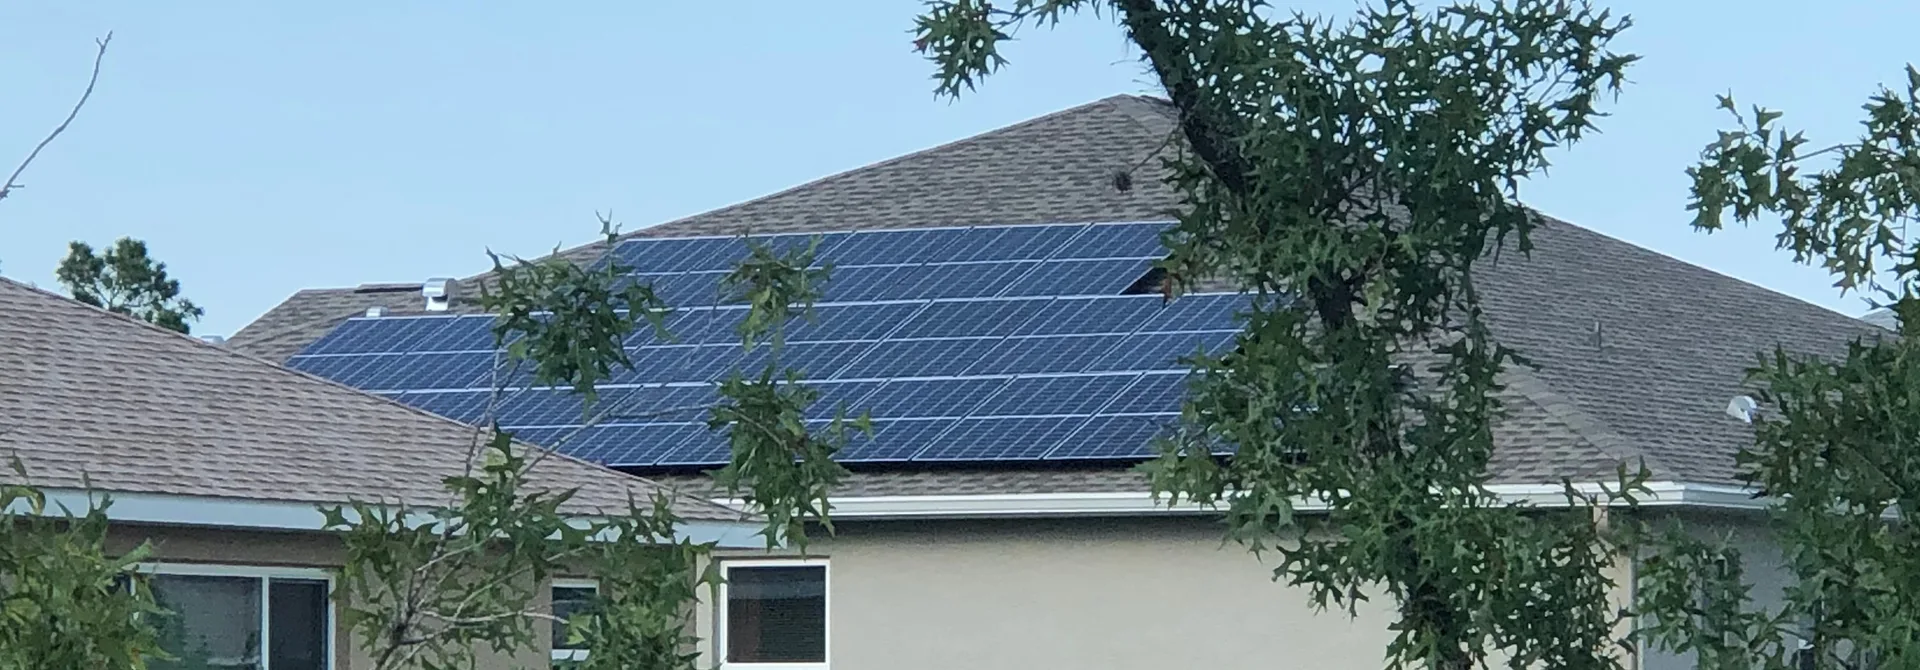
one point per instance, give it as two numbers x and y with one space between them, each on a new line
984 344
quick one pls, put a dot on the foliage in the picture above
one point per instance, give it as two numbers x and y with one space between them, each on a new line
1349 175
65 602
124 280
425 587
1838 434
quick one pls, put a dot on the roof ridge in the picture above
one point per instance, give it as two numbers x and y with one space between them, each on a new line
80 307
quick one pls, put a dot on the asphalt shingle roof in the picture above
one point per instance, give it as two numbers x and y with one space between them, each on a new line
1637 352
91 396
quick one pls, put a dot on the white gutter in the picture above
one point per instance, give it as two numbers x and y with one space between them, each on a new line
1141 503
236 513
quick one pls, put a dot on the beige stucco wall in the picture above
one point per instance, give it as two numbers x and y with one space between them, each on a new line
1762 564
278 549
1105 594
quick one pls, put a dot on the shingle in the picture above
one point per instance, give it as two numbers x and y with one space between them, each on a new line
1673 339
135 408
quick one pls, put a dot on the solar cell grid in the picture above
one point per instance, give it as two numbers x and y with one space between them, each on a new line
972 318
1078 277
921 358
931 398
1089 315
1159 351
999 439
1013 243
852 322
1112 437
1043 355
1116 240
1040 396
896 441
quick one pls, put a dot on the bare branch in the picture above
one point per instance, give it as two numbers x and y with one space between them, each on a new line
12 182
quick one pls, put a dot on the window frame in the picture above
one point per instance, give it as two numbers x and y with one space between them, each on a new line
720 632
562 655
265 576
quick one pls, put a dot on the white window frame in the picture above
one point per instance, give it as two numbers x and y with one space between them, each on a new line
568 654
264 574
720 619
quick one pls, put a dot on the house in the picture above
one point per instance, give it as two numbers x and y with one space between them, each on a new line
1028 561
221 460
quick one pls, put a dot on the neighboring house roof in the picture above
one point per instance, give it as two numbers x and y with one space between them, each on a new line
1637 353
94 399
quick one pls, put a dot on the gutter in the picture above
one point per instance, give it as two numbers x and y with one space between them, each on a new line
1141 503
160 509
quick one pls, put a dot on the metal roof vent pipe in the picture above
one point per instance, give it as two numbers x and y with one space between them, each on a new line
439 293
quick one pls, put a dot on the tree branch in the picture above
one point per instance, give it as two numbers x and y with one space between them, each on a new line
99 55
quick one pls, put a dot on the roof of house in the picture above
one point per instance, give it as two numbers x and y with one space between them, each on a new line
92 398
1636 353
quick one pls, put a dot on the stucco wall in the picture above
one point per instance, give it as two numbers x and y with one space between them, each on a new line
277 549
1106 594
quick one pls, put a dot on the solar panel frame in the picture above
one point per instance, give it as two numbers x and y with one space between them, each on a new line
999 439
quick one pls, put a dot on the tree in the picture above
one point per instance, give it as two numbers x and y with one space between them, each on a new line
1348 175
65 601
124 280
425 587
1838 435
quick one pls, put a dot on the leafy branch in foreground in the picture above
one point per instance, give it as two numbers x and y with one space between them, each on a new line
425 587
1349 175
1837 446
65 602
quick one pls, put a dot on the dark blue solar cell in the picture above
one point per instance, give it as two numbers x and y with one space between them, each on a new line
668 255
1208 311
851 322
690 289
466 333
1085 277
1159 351
459 370
1013 243
1112 437
837 395
1040 396
356 371
999 439
1117 240
928 398
821 360
675 363
970 318
856 284
655 404
707 325
1153 393
645 444
1040 355
702 447
596 444
423 334
964 280
895 441
541 407
889 247
1092 316
920 358
551 438
462 406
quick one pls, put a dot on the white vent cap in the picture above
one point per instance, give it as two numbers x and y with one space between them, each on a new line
439 293
1744 408
375 311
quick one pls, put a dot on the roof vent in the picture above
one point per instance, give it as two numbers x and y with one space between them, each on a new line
215 340
439 293
1743 408
375 311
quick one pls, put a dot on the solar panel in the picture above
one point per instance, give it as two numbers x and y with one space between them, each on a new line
1116 240
1046 354
1043 396
991 343
999 439
1112 437
1078 277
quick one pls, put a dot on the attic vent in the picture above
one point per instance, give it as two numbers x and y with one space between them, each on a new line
375 311
386 288
1743 408
439 293
215 340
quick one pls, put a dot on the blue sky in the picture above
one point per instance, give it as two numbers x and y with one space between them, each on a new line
261 148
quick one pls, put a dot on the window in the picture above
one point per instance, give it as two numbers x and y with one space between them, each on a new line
232 618
774 613
569 598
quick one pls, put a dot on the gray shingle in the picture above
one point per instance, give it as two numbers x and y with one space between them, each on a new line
1674 339
135 408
